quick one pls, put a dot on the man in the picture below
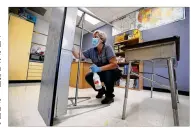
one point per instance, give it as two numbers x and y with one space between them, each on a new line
105 64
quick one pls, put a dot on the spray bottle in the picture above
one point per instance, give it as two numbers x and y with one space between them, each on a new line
97 81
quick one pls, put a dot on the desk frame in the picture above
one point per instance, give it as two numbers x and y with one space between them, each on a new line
167 44
172 88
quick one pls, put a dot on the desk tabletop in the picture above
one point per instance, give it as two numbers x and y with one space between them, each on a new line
175 39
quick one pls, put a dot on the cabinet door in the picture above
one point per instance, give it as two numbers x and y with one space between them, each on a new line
20 36
73 75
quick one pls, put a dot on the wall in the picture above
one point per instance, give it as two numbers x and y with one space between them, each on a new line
180 28
88 37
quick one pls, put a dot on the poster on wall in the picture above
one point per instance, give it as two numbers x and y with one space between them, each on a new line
154 17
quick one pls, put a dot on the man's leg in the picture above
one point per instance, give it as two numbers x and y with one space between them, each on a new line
89 79
108 77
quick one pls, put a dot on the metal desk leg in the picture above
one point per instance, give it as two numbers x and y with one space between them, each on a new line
152 78
78 71
177 96
126 91
173 92
176 85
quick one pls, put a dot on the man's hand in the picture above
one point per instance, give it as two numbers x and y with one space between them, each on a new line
95 68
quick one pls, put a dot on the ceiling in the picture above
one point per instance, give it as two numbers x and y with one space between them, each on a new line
106 13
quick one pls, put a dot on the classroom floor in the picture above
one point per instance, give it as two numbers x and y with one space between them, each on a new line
141 109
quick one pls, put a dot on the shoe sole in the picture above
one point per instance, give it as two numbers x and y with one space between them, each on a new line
99 97
109 102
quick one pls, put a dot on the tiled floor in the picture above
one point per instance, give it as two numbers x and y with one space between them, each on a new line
141 109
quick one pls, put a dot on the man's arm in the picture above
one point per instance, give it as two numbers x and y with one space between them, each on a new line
112 64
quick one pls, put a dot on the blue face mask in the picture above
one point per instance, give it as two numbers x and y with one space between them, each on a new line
95 42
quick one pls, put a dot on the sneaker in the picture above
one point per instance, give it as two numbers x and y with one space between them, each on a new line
100 93
107 100
113 95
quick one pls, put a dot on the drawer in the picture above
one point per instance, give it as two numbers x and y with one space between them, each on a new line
35 67
33 78
34 74
35 70
35 64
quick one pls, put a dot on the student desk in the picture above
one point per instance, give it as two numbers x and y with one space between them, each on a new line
168 51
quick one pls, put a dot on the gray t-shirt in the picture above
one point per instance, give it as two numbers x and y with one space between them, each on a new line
102 59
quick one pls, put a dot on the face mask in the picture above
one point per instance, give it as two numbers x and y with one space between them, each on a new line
95 42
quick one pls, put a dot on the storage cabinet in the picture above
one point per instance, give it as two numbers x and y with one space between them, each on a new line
35 71
84 69
20 37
